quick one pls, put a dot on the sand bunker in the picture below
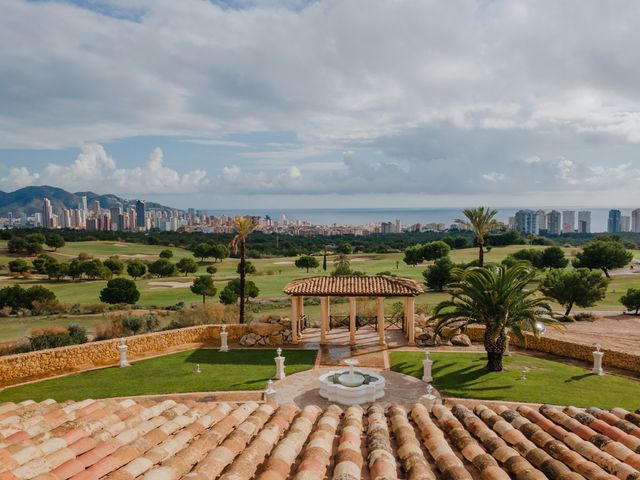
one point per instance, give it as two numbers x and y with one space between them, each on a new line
170 284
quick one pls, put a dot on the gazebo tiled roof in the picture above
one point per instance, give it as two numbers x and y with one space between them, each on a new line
354 286
167 440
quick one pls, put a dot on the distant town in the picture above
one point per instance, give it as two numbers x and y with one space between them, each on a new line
135 216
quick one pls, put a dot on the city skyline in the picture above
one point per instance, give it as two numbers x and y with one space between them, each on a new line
244 102
133 215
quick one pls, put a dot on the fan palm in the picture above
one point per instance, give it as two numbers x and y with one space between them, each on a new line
243 226
480 221
499 299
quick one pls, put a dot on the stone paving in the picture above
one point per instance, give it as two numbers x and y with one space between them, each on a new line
302 388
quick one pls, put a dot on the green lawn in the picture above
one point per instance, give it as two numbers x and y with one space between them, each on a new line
174 373
463 375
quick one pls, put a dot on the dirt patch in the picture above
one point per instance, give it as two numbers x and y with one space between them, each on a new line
614 332
284 263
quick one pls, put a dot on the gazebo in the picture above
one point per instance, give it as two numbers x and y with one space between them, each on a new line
352 287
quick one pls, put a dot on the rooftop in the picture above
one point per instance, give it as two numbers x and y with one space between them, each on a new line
354 286
165 440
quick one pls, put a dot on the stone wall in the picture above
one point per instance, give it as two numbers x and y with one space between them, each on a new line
563 348
25 367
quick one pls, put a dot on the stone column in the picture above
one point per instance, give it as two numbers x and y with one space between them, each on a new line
404 318
597 361
352 321
224 347
294 319
122 348
381 340
324 314
280 365
328 323
427 363
411 318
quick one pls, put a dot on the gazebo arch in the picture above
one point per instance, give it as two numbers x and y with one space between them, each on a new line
352 287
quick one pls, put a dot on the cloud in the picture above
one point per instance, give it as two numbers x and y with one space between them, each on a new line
94 169
437 98
494 177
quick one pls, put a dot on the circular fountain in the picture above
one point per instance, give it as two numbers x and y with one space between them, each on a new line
351 387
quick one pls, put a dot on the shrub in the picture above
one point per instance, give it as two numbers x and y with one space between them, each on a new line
48 307
54 337
19 266
131 324
631 300
120 290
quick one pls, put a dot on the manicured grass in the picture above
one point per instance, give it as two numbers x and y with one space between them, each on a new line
174 373
464 375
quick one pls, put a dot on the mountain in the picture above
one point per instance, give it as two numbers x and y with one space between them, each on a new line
28 200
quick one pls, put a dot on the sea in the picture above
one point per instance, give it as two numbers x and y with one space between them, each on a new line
407 216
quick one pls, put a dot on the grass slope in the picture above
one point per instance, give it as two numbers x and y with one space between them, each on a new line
174 373
463 375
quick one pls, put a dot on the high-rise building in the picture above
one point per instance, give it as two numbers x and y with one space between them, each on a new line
568 221
613 223
584 221
47 214
553 222
635 220
84 204
96 207
527 222
116 220
140 214
542 219
625 223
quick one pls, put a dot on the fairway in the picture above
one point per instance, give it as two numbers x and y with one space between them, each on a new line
174 373
271 277
464 375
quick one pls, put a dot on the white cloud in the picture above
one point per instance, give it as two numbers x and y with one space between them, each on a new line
494 176
94 169
19 177
424 97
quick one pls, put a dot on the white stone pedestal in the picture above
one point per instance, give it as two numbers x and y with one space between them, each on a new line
122 348
270 392
597 362
429 401
427 363
280 367
223 339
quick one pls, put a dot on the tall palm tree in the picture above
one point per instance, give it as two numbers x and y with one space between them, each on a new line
499 299
481 221
243 226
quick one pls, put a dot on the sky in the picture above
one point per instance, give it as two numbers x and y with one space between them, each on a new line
336 103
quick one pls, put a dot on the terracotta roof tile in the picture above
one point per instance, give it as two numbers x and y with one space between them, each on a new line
354 286
151 440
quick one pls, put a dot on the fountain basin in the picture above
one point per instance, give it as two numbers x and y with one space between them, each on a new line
369 387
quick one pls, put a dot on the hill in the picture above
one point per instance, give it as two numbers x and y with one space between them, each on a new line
28 200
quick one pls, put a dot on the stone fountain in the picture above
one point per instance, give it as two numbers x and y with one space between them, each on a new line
351 387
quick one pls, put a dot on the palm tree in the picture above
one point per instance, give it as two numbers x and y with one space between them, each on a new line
499 299
480 221
244 226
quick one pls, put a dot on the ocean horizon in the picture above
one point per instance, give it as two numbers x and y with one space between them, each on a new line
407 216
